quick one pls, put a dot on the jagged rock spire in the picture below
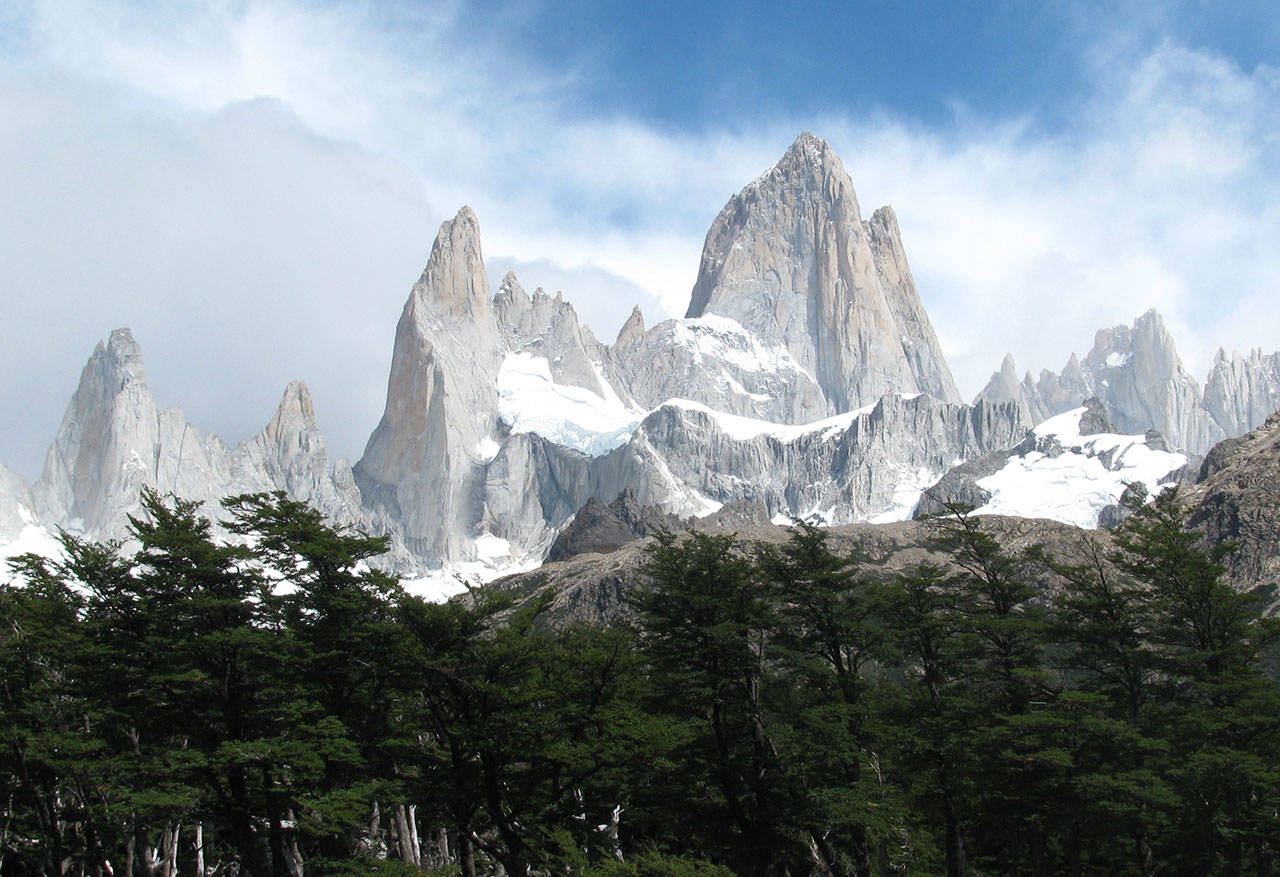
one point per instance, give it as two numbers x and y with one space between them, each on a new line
454 281
791 260
418 468
114 440
632 329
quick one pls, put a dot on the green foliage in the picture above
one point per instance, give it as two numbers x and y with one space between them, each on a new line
659 865
774 709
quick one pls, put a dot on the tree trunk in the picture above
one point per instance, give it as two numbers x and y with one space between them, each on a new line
405 840
443 856
169 850
200 849
414 841
275 831
466 854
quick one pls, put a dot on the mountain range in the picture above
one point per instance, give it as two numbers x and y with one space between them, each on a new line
805 380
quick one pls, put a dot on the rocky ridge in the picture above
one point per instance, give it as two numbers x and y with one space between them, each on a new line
1074 467
1136 373
114 440
1235 500
805 381
1232 501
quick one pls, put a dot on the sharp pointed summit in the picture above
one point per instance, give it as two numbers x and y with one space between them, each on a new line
790 259
441 396
115 440
454 280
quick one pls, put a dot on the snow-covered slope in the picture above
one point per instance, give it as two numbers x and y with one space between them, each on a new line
531 400
1071 477
20 528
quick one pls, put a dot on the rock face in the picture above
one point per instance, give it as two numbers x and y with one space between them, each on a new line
601 529
114 440
806 381
17 508
1139 377
594 588
790 259
1242 391
290 455
548 327
1236 500
1136 373
716 362
421 468
867 464
504 415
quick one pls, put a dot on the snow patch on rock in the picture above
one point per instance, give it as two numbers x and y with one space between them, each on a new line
721 338
1072 478
530 401
33 538
494 557
747 428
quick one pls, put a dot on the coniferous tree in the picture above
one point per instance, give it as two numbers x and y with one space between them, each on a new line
827 637
931 715
1217 708
1004 679
707 636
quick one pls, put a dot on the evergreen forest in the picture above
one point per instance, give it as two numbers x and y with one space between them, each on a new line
272 704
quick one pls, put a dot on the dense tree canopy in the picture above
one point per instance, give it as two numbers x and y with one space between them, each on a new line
269 703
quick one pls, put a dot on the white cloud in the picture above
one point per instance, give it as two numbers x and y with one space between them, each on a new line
243 251
249 242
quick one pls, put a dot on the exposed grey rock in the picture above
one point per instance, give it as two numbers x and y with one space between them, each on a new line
290 454
632 329
869 463
787 391
643 520
1236 501
959 486
1136 373
919 342
691 461
1115 515
1094 422
600 529
1020 489
594 529
546 327
595 588
716 362
1004 386
1242 392
791 261
114 440
423 467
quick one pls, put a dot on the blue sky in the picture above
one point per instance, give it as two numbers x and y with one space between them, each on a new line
253 185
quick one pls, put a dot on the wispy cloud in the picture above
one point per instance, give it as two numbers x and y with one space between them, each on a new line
146 182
